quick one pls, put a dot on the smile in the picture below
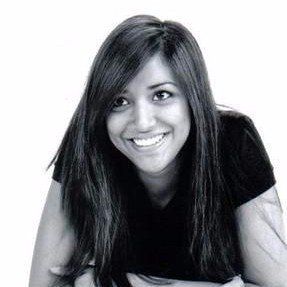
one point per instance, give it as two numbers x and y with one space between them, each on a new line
149 141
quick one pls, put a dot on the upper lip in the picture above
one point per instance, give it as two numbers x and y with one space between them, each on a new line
141 137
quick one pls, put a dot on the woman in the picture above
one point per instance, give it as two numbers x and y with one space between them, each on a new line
153 180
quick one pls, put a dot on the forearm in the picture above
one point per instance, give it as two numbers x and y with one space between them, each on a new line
144 281
149 281
197 284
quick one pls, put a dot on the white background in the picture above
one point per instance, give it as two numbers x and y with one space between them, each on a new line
46 51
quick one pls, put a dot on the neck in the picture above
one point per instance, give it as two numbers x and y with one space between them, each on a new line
161 187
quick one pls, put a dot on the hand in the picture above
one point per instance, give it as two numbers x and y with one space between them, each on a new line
235 282
144 281
85 280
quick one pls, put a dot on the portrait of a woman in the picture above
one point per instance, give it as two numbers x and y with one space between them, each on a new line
154 183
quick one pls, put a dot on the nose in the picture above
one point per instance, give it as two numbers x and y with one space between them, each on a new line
144 117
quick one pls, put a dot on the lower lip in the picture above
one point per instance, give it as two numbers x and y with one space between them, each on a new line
151 147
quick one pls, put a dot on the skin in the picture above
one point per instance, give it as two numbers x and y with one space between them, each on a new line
142 112
54 243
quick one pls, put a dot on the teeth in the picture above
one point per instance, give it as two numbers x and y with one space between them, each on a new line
148 141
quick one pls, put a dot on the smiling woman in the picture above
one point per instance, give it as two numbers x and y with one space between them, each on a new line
153 183
152 122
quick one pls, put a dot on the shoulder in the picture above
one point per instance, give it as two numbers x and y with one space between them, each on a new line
233 122
239 130
233 126
245 160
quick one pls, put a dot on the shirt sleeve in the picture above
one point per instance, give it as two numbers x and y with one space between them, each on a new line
256 171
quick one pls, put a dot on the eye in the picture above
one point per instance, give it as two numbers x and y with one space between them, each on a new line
162 95
119 104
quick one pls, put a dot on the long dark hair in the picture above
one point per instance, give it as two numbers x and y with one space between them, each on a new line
91 191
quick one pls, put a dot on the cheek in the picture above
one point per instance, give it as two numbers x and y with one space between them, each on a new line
179 117
115 125
185 119
185 116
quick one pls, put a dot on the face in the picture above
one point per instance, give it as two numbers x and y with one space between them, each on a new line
150 121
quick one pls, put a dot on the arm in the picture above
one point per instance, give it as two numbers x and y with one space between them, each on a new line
261 235
54 241
138 280
143 281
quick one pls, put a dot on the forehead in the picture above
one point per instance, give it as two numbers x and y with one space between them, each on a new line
155 71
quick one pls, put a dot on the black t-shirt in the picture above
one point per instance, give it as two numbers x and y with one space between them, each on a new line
246 165
157 235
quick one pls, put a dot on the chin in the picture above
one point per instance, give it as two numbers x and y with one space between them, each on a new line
152 170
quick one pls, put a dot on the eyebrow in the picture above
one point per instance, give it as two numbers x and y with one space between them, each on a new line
151 87
160 84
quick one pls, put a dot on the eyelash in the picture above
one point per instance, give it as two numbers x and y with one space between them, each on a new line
114 107
166 92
